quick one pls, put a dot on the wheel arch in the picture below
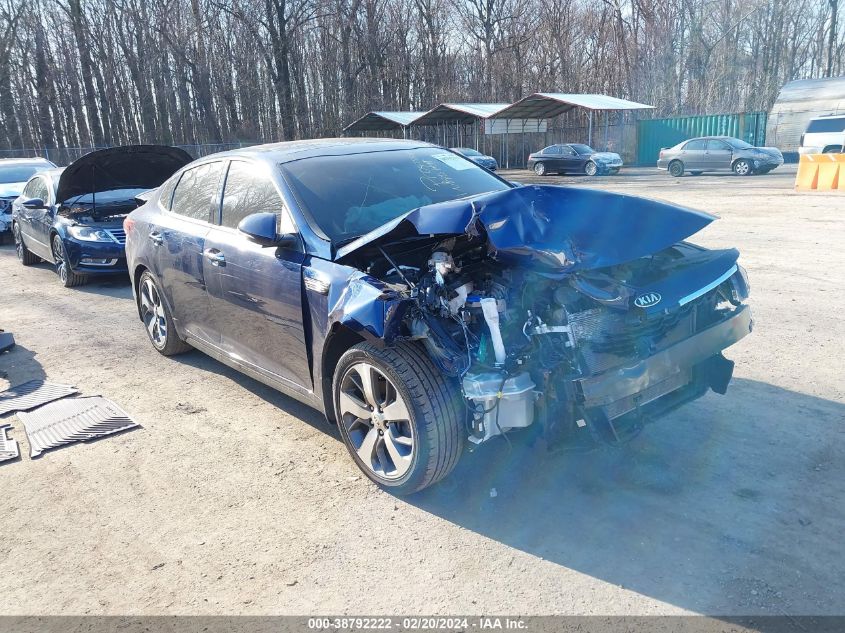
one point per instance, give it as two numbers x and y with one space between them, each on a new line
340 338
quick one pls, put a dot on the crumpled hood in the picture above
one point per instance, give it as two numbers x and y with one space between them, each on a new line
11 189
128 167
549 228
605 157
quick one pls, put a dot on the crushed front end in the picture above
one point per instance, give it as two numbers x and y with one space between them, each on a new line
543 321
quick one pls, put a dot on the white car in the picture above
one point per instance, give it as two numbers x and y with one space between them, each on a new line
14 172
825 134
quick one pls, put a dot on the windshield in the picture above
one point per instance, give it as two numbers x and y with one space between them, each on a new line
466 151
19 173
737 144
351 195
582 149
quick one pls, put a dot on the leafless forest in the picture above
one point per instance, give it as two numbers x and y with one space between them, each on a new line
103 72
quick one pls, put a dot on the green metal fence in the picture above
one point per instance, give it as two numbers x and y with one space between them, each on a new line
655 134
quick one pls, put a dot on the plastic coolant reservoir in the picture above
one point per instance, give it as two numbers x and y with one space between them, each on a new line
515 407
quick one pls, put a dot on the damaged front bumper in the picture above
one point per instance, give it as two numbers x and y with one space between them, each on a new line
676 375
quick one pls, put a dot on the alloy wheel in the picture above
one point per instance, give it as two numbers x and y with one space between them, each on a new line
540 169
741 167
591 169
376 421
59 258
19 247
152 314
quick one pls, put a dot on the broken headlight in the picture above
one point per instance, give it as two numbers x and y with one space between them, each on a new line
89 234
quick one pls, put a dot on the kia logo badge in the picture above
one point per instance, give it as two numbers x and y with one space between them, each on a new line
647 300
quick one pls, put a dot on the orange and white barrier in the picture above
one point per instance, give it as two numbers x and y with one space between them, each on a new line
821 172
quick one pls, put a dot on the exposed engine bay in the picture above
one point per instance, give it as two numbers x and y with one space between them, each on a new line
590 351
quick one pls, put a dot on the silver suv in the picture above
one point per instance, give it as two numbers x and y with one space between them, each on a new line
825 134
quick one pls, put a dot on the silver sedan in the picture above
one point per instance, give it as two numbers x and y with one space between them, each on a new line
718 153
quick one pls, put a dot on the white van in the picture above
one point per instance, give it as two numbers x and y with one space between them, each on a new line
824 134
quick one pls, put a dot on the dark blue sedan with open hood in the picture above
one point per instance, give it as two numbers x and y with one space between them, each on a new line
423 303
73 217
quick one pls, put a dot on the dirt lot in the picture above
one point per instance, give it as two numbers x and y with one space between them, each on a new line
235 499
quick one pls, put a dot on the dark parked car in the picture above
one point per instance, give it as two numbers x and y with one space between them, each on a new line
436 306
73 217
14 172
488 162
719 153
574 158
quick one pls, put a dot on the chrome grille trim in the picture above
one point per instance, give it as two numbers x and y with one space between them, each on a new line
118 235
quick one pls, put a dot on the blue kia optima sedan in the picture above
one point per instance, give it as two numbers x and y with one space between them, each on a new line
73 217
421 302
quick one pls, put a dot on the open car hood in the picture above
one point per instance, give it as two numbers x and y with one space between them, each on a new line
549 228
128 167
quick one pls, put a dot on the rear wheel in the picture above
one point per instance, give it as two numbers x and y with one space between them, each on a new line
742 167
591 169
399 417
25 256
67 277
540 169
157 319
676 168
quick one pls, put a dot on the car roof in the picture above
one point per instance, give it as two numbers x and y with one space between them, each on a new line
287 151
23 161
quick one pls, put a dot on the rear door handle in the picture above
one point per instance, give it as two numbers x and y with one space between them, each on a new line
156 238
215 257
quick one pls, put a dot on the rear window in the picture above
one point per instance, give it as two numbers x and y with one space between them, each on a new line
18 173
195 191
832 124
697 144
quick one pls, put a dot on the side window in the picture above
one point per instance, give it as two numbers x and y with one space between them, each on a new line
195 190
36 188
567 151
166 195
552 149
247 192
698 144
717 145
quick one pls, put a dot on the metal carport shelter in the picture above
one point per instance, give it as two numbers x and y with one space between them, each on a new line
458 114
547 105
385 121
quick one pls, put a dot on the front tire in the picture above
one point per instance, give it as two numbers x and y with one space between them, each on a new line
676 168
399 417
742 167
591 169
25 256
67 277
157 320
540 169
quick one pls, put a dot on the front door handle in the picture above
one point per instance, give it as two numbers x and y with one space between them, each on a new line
215 257
156 238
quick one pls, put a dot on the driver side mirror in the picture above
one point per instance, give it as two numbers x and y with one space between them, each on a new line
34 204
261 229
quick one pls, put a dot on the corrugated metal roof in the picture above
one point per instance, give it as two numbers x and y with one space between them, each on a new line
459 112
798 102
547 105
382 120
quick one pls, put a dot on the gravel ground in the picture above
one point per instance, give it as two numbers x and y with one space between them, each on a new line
235 499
